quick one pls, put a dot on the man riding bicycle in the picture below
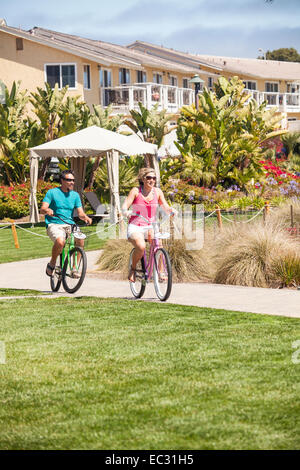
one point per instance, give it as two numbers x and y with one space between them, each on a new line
61 201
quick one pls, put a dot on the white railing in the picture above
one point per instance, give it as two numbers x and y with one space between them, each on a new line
126 97
285 102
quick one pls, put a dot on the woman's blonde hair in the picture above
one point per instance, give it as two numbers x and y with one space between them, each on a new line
144 172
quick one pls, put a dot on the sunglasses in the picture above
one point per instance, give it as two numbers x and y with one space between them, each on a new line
69 179
151 178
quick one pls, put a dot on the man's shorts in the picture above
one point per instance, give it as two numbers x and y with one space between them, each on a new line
55 231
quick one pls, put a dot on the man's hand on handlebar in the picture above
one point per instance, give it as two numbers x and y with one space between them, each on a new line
50 212
87 220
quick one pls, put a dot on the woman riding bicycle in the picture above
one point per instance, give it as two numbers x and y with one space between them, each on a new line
144 201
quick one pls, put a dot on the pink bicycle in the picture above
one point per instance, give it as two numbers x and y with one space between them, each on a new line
156 267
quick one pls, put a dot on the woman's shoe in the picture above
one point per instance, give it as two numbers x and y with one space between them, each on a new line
131 275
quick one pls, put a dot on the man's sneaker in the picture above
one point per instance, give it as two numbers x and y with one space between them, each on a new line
75 274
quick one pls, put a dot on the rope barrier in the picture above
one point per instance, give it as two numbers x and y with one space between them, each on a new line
206 217
242 221
6 226
29 231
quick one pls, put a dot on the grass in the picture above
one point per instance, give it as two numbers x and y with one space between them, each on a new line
33 246
6 292
90 373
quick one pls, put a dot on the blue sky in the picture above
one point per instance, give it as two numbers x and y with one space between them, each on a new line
236 28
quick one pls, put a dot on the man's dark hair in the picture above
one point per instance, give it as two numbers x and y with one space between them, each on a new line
64 173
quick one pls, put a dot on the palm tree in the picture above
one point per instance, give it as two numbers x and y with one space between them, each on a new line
151 126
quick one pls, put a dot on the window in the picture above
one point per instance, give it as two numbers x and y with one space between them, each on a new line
292 88
63 74
185 83
250 85
86 77
271 87
173 80
124 76
105 78
141 77
2 92
19 44
210 82
157 77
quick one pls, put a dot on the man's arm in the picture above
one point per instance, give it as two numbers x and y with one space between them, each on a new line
45 209
82 215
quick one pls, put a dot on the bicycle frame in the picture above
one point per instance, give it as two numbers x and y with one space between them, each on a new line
70 241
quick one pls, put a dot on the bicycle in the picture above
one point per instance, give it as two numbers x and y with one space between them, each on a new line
71 264
157 267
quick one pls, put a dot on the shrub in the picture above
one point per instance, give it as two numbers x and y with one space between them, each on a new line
14 200
252 256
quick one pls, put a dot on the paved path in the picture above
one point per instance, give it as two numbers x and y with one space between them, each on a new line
31 275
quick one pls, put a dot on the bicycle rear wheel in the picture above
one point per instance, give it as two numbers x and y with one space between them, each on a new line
138 287
55 279
162 274
74 270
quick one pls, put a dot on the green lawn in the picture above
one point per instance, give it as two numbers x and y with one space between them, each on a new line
5 292
88 373
34 246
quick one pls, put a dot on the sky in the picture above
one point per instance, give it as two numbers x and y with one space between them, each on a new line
233 28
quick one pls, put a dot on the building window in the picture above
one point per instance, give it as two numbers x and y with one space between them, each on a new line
2 92
271 87
157 78
141 77
124 76
105 78
19 44
86 77
250 85
210 82
185 83
292 88
173 81
63 74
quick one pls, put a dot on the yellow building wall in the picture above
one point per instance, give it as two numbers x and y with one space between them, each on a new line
28 65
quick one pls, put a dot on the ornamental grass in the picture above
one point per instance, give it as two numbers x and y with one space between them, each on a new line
257 255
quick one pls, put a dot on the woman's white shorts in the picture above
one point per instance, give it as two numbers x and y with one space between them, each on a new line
132 229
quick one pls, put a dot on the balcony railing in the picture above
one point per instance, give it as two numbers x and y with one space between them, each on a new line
285 102
126 97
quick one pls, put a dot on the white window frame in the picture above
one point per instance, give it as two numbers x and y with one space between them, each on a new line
141 71
158 73
173 76
125 68
250 81
293 84
90 79
272 83
111 77
60 74
188 79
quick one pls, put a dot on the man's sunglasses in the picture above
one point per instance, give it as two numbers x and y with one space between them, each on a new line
151 178
69 179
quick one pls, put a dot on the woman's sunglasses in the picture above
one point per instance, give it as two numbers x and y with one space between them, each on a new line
151 178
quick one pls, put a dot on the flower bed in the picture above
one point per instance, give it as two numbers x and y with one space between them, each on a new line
14 200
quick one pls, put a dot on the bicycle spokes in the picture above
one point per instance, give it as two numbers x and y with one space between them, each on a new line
74 270
162 274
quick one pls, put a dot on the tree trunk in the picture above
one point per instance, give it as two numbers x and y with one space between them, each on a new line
43 169
92 175
148 159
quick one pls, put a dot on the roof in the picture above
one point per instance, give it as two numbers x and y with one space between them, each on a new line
271 69
98 51
268 69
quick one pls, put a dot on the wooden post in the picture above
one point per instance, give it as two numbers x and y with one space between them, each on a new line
292 216
266 211
218 211
14 233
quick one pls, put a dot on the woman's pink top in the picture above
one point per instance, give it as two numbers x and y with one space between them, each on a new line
145 208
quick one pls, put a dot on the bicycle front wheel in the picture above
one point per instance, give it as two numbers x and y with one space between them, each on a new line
55 279
138 287
74 270
162 274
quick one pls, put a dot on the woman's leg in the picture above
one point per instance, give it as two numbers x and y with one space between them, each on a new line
138 241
